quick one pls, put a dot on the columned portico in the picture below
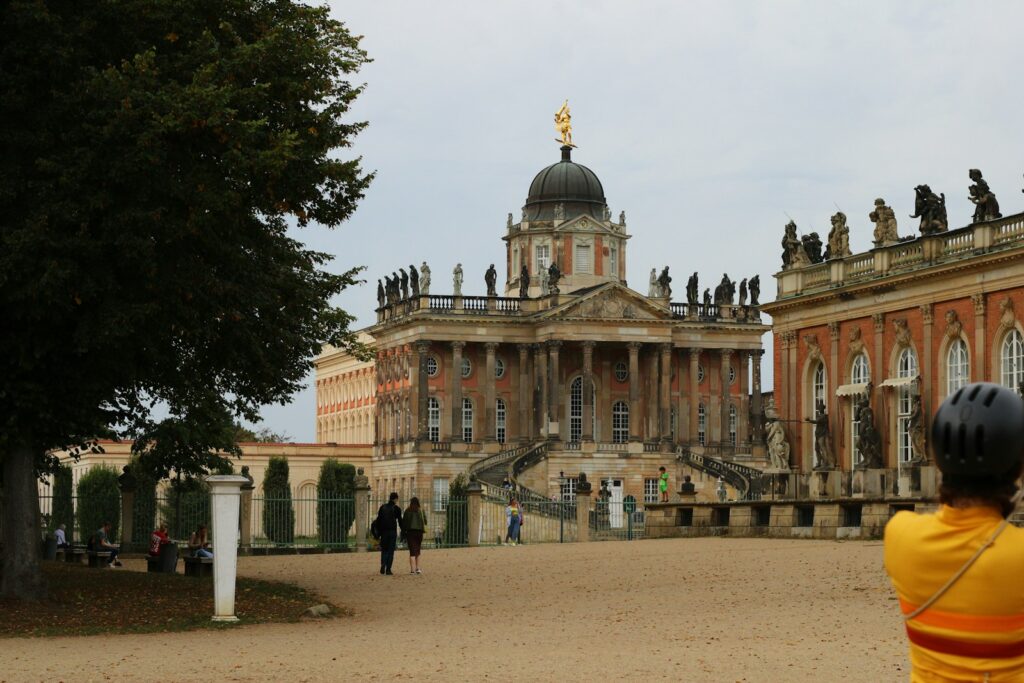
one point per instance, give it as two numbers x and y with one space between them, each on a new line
664 396
456 390
743 412
540 357
555 401
588 391
490 426
694 394
723 436
420 389
524 392
634 391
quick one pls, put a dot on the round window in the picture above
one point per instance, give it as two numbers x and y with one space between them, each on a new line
499 368
732 375
467 367
621 371
700 374
431 366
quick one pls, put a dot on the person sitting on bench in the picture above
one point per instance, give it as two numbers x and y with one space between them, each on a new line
61 536
158 539
102 544
198 544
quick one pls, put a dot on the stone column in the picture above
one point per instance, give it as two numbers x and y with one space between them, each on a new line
456 391
757 407
225 495
245 513
362 503
583 510
490 426
664 393
694 394
555 386
420 389
682 407
474 510
831 400
588 391
723 436
743 410
634 391
540 362
652 432
881 406
524 392
927 361
980 352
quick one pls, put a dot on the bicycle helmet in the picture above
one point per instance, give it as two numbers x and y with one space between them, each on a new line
979 431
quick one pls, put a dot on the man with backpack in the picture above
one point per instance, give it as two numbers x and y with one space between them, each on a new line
957 571
388 522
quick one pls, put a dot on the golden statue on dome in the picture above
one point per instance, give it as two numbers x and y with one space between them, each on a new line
563 124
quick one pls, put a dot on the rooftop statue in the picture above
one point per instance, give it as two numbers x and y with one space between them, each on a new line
424 279
743 292
381 297
554 275
509 223
414 281
724 291
653 290
884 219
986 207
405 283
622 217
755 290
665 283
692 290
707 299
931 209
563 124
457 279
812 246
544 290
524 282
838 237
793 253
491 280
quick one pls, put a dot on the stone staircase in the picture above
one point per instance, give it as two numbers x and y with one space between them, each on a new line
749 482
510 463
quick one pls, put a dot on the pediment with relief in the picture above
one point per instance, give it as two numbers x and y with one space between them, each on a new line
614 304
584 224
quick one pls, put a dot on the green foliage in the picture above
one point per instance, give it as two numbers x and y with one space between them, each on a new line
99 501
456 526
335 505
186 507
278 511
63 511
262 435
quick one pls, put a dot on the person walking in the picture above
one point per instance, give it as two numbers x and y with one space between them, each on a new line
513 520
389 519
957 571
663 484
414 523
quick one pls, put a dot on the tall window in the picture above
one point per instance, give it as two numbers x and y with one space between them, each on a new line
732 425
957 370
440 494
650 490
906 367
499 419
1012 360
467 420
818 386
583 258
568 490
433 419
613 262
543 256
620 422
702 424
859 374
576 410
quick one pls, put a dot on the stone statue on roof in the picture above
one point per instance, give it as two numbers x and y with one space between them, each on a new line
424 279
986 207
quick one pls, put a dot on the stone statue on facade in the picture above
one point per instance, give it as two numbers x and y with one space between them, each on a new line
491 280
381 296
607 214
396 291
743 292
869 441
884 219
707 298
812 247
509 222
559 211
524 282
424 279
622 217
405 283
692 290
919 452
838 237
457 279
414 281
822 441
931 209
554 275
986 207
544 289
755 290
653 291
724 291
665 284
778 447
793 253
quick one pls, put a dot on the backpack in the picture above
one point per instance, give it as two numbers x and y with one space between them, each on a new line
375 530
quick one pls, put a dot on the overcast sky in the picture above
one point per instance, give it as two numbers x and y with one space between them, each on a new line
707 122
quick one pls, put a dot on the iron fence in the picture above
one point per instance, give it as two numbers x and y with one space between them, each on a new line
541 521
447 518
282 522
617 520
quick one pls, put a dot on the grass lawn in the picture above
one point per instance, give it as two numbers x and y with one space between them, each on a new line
87 601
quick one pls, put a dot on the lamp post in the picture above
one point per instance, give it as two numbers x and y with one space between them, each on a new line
561 506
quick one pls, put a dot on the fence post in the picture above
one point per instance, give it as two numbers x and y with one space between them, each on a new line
126 482
245 512
362 502
473 495
583 509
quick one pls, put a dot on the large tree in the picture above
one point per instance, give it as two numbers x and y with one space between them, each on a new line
153 155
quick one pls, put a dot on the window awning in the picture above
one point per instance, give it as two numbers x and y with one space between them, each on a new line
899 381
851 389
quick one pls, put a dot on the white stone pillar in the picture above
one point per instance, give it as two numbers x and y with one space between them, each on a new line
225 496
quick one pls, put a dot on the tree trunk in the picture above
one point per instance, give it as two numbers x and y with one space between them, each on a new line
22 576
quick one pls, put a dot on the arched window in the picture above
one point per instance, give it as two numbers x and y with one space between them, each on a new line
1012 360
958 371
433 419
499 419
906 367
576 410
732 424
818 388
467 420
620 422
702 425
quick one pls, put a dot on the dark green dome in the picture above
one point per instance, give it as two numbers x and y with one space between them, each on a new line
573 185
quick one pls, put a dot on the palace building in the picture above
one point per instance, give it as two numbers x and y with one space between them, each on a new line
568 371
896 329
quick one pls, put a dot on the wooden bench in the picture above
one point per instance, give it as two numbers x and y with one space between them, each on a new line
74 555
199 566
